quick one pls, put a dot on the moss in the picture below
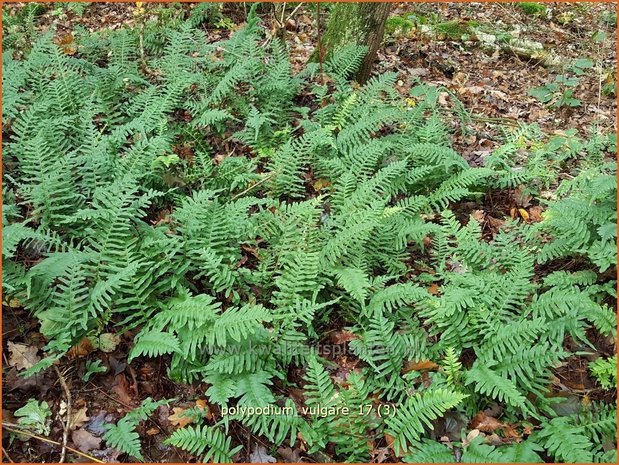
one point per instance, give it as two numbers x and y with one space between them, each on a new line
455 29
398 25
533 8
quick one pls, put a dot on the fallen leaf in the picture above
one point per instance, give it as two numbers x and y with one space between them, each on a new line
524 214
320 184
178 419
485 423
433 289
106 342
97 423
152 431
488 424
22 356
470 436
478 215
340 337
121 389
85 440
259 455
203 405
422 365
390 440
81 349
535 214
289 455
380 455
78 418
67 44
495 223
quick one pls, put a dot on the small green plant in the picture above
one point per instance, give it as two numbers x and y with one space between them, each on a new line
225 23
560 92
532 8
123 435
605 371
35 416
92 368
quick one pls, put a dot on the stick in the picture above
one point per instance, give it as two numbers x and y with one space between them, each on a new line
11 426
6 454
263 180
67 423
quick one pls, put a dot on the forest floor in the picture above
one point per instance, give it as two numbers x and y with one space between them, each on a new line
493 86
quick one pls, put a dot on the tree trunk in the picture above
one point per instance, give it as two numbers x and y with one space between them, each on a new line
360 24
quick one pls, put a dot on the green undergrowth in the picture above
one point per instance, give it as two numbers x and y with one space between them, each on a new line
232 214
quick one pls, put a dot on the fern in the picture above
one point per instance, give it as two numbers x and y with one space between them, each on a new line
208 442
417 413
123 435
252 227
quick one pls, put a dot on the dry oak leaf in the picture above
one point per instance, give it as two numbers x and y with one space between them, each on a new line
81 349
421 365
488 424
78 416
85 440
22 356
433 289
178 419
340 337
485 423
106 342
535 214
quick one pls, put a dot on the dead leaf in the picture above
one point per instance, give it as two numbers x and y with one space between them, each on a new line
320 184
78 416
535 214
106 342
202 404
259 455
340 337
178 419
22 356
422 365
81 349
470 436
67 44
433 289
121 389
485 423
478 215
488 424
495 223
380 455
152 431
524 214
289 455
85 441
390 440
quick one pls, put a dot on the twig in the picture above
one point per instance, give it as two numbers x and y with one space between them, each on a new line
262 181
508 121
294 11
6 454
16 429
67 423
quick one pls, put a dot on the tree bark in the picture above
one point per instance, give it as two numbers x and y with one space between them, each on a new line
360 24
